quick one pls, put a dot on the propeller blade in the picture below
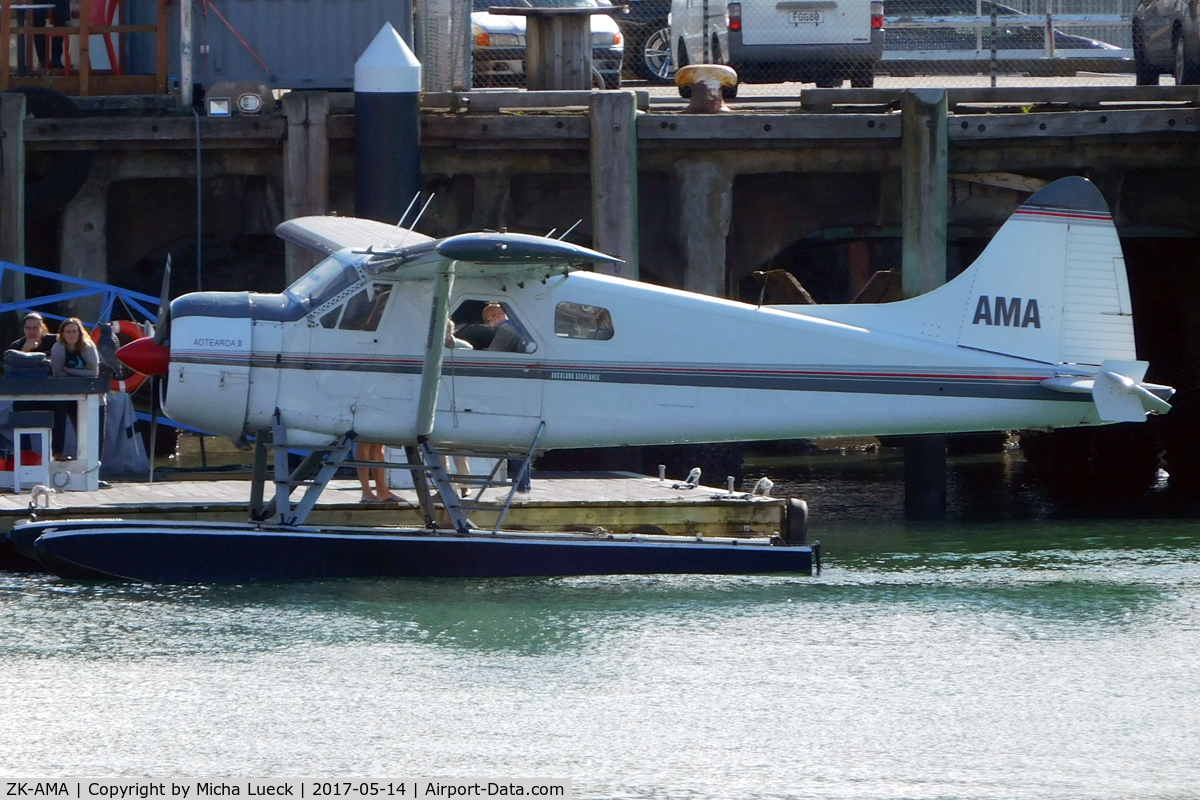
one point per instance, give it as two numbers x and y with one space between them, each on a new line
162 328
154 380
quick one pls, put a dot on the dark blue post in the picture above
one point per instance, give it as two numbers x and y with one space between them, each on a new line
387 145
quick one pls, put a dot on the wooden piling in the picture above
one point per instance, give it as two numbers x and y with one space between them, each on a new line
305 168
705 192
614 162
925 203
925 181
12 191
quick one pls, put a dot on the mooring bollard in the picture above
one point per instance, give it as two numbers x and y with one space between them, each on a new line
706 82
387 128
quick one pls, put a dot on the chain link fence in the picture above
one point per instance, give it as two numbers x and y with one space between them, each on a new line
779 46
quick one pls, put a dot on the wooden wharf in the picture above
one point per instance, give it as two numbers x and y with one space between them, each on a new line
615 502
698 202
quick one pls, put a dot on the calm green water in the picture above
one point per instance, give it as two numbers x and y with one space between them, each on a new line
1026 659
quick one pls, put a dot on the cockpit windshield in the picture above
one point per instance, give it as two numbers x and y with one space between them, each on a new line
329 278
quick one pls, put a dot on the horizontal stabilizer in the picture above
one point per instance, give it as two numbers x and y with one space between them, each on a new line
1118 390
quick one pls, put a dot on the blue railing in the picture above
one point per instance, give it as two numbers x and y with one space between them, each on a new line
143 304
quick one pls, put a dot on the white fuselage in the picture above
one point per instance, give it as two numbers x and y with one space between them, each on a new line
678 367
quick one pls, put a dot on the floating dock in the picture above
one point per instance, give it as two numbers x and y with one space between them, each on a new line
615 502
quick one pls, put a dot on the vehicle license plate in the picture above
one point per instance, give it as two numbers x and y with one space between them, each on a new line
805 17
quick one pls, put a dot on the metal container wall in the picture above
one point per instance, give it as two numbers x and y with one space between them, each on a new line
304 44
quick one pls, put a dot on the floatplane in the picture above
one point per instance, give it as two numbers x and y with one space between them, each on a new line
1036 334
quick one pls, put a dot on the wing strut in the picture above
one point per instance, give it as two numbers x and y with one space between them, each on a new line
435 350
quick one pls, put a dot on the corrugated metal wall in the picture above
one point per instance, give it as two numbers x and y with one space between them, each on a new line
305 44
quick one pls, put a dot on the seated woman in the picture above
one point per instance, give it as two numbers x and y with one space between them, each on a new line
73 355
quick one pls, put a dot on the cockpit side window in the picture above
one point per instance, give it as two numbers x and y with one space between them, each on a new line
491 325
365 308
577 321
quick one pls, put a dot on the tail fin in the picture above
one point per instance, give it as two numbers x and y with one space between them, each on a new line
1051 285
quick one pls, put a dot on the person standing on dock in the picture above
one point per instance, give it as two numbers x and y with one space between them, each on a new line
61 19
369 451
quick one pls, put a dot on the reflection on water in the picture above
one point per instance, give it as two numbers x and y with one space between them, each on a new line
869 486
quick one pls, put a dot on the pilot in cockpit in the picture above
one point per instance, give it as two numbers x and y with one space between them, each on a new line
508 338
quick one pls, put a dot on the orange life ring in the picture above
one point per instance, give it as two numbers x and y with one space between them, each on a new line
126 332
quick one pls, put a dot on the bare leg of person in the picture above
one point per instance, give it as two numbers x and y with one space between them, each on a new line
381 488
362 452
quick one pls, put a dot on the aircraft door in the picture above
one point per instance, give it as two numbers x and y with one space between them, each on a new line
491 384
335 361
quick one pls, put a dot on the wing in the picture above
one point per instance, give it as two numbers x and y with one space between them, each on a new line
485 255
327 235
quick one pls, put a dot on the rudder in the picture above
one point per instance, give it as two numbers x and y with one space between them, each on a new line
1051 285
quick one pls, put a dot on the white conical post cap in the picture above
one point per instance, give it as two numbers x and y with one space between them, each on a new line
387 65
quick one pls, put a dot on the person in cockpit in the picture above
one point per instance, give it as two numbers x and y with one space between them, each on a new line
452 341
508 338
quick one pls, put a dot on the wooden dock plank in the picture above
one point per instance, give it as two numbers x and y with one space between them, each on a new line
619 503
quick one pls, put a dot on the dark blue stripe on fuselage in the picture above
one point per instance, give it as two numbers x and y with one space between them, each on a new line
1000 388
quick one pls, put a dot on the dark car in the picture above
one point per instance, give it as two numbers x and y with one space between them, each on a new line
648 39
942 47
1166 39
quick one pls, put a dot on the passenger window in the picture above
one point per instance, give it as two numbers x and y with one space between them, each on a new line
365 309
330 319
491 325
576 321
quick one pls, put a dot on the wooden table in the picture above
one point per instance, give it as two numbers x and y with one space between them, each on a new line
558 45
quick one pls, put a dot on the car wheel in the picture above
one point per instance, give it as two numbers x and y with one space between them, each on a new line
862 76
655 64
1185 71
827 79
684 91
1146 74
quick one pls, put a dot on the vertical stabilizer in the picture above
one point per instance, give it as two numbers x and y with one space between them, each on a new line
1051 285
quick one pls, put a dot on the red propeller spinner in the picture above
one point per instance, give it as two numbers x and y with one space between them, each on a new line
146 356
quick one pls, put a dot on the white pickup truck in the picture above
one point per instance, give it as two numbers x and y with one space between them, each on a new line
771 41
